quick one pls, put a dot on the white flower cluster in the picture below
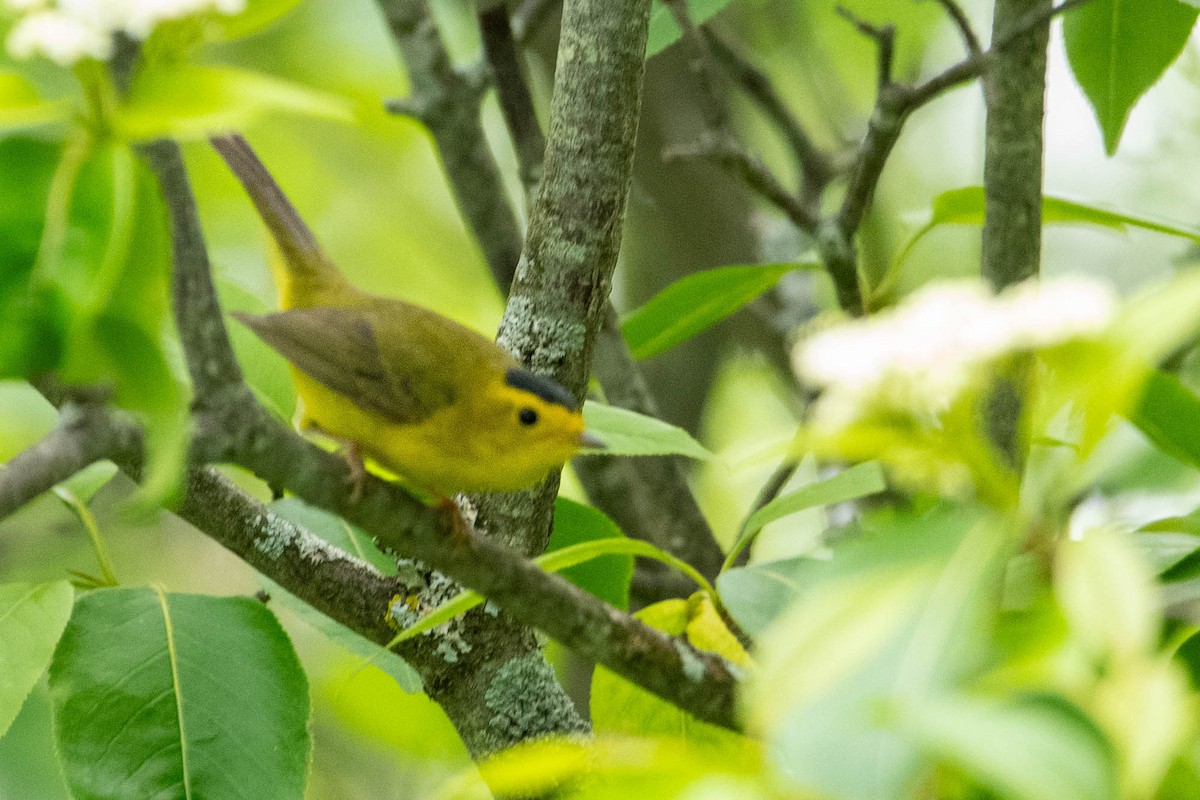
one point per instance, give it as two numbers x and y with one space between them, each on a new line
921 355
67 31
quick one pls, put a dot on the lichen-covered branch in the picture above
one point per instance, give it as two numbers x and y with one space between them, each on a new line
562 285
649 498
500 662
81 437
1014 89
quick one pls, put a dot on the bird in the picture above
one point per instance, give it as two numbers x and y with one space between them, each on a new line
442 406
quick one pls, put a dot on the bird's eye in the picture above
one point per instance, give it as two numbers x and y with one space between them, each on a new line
527 416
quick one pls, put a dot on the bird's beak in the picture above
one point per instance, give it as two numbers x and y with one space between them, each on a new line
591 441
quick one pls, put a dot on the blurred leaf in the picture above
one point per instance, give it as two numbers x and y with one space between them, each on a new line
1118 49
34 317
696 302
211 703
755 595
1168 413
663 30
257 16
620 707
1166 550
898 615
29 766
609 767
1157 320
89 480
110 270
1188 654
173 41
22 107
627 433
189 101
32 618
851 483
1028 748
606 576
1107 594
399 670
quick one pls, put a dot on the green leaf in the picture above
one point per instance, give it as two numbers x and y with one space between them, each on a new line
627 433
335 530
1027 748
556 561
608 576
32 618
108 261
965 206
34 316
899 613
177 695
22 107
1166 550
353 540
257 16
620 707
1118 49
693 304
663 30
1169 414
1108 595
755 595
851 483
189 101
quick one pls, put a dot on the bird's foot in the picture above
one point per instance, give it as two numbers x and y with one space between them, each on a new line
460 529
358 470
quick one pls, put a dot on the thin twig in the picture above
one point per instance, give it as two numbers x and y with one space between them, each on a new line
963 25
816 168
730 155
884 37
82 437
447 101
516 103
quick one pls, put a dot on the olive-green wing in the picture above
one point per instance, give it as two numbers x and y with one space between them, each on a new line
338 348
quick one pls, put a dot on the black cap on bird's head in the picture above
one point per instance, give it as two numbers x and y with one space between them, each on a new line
545 388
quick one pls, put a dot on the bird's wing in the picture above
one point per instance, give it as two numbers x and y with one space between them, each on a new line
338 348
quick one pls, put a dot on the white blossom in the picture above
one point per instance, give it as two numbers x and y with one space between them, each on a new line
59 37
67 31
920 356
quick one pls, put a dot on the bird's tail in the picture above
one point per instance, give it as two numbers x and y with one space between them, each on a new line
305 270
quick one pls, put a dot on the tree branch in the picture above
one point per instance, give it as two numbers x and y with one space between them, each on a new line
666 513
815 166
562 285
506 658
1012 166
446 101
81 437
516 104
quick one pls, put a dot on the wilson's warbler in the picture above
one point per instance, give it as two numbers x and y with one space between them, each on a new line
427 398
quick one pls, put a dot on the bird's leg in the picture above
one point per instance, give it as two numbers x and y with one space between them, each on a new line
358 470
460 529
